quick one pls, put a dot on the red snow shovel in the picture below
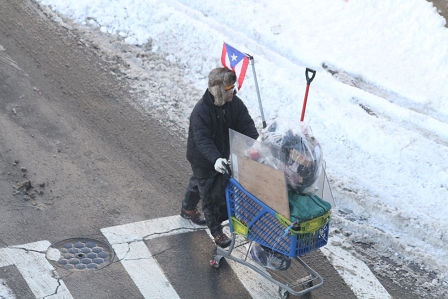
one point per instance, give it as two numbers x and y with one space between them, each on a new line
308 82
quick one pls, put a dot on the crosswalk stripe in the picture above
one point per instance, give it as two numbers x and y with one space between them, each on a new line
38 273
355 272
123 238
128 243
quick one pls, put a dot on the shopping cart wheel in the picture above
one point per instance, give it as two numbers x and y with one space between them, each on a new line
309 284
284 294
215 262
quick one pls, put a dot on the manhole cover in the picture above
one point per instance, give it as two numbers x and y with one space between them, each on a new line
80 254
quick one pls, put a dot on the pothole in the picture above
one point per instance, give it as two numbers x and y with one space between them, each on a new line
80 254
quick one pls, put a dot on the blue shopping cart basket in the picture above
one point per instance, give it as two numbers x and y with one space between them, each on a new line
256 221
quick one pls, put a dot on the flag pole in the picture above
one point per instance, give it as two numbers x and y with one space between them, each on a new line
258 91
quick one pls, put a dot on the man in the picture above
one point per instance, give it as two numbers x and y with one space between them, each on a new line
208 149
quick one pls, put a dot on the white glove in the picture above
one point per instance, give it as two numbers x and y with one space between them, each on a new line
220 165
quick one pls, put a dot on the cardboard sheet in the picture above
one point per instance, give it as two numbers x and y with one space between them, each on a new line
265 183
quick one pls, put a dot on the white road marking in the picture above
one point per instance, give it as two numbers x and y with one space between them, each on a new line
128 243
255 284
354 272
38 273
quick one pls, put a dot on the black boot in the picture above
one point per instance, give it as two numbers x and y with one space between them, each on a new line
222 240
194 215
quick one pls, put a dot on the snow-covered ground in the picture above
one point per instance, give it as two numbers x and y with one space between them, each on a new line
378 104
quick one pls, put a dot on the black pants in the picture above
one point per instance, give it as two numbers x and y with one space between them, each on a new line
209 186
191 197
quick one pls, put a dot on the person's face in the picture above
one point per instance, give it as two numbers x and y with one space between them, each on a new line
230 91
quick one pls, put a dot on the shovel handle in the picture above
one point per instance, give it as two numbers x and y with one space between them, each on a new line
308 79
308 82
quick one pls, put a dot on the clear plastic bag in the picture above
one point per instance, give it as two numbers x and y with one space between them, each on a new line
301 151
269 258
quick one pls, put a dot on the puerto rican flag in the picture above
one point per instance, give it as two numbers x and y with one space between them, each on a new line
235 60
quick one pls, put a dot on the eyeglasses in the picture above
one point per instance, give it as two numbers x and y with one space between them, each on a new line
230 87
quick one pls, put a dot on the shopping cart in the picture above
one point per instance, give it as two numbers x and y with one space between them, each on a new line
252 223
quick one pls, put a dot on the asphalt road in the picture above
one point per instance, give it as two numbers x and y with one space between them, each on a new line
77 155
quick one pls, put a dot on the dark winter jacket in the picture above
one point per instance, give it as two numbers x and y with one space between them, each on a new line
208 133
